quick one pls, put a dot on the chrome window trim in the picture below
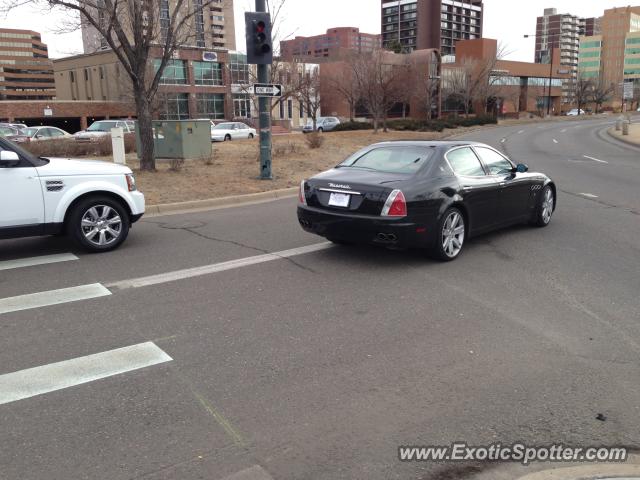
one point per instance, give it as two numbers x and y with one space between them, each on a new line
333 190
487 166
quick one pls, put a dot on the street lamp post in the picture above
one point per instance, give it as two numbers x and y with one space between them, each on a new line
549 47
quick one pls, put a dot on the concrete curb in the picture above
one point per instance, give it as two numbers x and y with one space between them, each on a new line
621 139
220 202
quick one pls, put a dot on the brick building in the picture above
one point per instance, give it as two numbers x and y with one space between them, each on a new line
25 69
563 32
329 44
613 57
423 24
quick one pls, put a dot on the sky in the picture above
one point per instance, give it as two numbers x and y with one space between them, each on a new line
505 20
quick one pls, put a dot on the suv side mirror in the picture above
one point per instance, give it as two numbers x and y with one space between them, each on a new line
8 157
522 168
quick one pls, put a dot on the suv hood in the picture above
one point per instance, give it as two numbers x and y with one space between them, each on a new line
68 167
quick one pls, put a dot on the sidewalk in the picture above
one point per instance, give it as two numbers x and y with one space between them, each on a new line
633 137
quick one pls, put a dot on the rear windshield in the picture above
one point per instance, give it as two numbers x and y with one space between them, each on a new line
392 159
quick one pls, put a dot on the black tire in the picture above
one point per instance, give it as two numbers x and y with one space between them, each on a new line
453 248
82 210
544 209
250 136
227 137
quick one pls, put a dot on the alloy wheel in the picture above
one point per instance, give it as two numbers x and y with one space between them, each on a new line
547 205
101 225
453 234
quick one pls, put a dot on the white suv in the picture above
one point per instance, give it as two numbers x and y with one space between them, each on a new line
93 202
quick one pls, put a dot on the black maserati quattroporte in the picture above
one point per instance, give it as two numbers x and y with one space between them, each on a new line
423 194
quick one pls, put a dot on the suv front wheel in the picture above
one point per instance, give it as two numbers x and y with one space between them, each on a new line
98 224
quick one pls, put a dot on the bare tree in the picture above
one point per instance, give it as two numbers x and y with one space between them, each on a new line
344 81
581 91
379 83
137 32
602 92
458 85
309 93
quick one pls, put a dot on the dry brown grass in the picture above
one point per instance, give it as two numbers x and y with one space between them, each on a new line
234 168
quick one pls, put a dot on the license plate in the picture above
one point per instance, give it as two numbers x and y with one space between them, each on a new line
339 199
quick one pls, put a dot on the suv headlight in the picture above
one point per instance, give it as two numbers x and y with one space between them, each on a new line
131 182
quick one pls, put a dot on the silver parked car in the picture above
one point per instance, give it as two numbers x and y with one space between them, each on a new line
102 128
323 124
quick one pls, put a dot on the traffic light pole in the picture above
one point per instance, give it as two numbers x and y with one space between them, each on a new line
264 105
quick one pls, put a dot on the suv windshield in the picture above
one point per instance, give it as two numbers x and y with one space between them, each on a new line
396 159
101 126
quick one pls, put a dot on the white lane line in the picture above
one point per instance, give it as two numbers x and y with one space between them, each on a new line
588 195
52 297
555 141
254 473
33 261
69 373
595 159
563 130
521 131
216 267
503 140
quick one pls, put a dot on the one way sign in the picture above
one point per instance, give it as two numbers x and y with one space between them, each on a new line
267 90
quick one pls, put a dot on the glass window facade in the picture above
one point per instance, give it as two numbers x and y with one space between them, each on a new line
175 106
175 73
207 73
239 69
210 105
591 44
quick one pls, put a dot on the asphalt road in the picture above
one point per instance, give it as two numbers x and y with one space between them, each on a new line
319 365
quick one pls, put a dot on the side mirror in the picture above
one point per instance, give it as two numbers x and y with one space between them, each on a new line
8 157
522 168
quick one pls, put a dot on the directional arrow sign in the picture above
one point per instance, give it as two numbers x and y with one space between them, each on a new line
267 90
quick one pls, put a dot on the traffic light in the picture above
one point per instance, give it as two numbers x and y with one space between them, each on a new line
258 32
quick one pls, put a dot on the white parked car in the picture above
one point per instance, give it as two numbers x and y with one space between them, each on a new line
102 128
95 203
575 112
323 124
231 131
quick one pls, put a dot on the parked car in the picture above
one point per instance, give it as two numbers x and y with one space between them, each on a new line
420 194
34 134
231 131
102 128
575 112
323 124
14 125
95 203
7 130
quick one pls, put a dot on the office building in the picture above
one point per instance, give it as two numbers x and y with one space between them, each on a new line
613 57
212 27
424 24
563 31
329 44
26 73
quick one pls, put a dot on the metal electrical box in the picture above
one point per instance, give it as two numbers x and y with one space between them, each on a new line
182 139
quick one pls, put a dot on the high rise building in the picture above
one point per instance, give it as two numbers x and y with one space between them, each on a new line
329 44
422 24
26 73
563 31
613 57
212 26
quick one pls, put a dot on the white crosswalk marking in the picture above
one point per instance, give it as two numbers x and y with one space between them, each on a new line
33 261
216 267
52 297
69 373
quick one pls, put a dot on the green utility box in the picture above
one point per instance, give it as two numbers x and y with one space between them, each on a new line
181 139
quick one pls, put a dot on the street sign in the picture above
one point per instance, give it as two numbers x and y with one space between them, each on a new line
267 90
628 91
